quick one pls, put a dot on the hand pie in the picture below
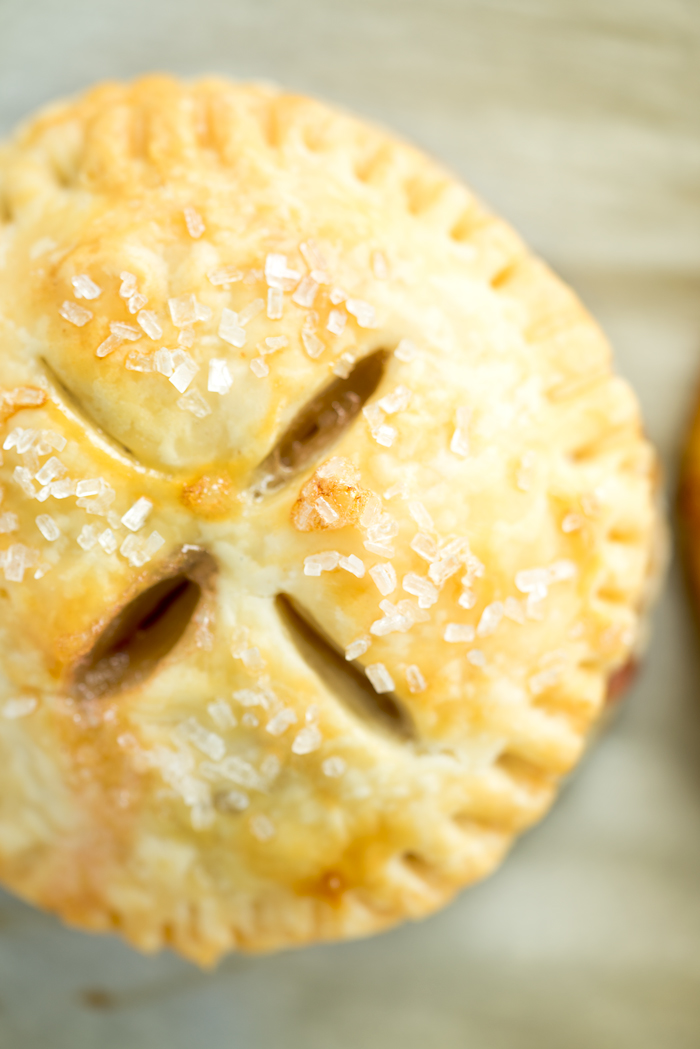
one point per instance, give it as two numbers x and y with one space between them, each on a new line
324 526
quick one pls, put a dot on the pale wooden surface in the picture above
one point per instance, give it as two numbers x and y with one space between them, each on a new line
580 121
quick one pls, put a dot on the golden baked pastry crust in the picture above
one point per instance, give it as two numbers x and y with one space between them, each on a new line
218 778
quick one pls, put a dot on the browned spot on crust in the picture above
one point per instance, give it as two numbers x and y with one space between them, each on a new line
12 401
621 680
335 481
211 495
329 887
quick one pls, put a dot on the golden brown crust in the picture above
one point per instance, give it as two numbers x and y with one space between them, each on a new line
496 495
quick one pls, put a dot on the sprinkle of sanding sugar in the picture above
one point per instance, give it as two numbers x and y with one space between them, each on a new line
135 516
384 577
17 559
50 439
163 360
476 657
261 827
352 564
336 322
24 396
67 486
513 609
380 268
406 351
259 367
396 401
85 288
190 731
129 284
185 338
456 632
392 621
525 472
220 380
9 522
440 571
382 528
136 303
334 767
194 402
183 310
544 679
535 579
91 486
26 440
337 296
326 511
274 343
312 255
48 527
400 488
415 680
185 371
357 648
324 562
421 516
232 801
109 345
52 469
194 222
305 292
149 323
275 304
560 571
230 330
344 365
362 311
221 714
312 344
307 740
225 275
125 331
382 433
138 551
421 588
571 523
460 439
379 677
21 707
252 659
87 537
140 362
281 721
77 315
108 541
425 546
382 549
250 312
12 438
467 599
277 273
490 618
24 479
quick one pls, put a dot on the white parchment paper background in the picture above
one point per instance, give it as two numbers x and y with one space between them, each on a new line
579 120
